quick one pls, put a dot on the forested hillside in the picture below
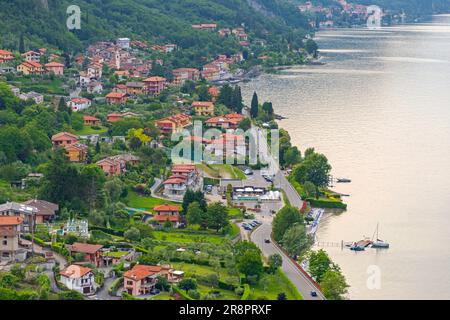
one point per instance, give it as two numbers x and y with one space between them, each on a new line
411 6
43 22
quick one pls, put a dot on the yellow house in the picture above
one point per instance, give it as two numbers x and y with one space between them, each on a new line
29 67
76 152
203 108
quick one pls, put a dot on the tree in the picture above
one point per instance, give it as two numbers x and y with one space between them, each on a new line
162 284
21 44
311 47
217 216
250 264
92 180
188 284
203 93
314 168
334 285
254 106
310 189
236 100
195 215
225 95
319 264
275 261
282 296
292 156
295 240
245 124
193 196
268 108
132 234
286 218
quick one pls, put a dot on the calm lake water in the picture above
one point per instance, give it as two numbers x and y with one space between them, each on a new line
380 110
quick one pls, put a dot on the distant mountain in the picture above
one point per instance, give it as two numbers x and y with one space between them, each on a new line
43 22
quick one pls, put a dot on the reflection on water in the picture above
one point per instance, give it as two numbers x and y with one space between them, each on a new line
380 110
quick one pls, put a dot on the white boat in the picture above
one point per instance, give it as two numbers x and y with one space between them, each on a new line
378 243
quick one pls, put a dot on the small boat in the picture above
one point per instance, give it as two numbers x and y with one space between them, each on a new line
343 180
356 247
378 243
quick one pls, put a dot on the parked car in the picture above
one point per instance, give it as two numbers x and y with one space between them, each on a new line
257 222
155 291
267 240
248 172
313 294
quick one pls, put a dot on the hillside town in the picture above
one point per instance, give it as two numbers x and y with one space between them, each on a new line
96 207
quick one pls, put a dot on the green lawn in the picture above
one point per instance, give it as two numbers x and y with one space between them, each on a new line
224 294
222 171
87 130
195 269
182 237
273 284
136 201
163 296
235 213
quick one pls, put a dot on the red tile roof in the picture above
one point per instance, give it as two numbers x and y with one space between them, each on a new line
54 64
165 217
116 95
155 79
75 271
85 247
90 118
174 181
10 221
140 272
166 207
63 136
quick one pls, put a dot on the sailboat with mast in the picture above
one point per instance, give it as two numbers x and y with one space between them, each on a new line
377 242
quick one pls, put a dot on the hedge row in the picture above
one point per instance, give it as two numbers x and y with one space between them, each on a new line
326 204
182 293
113 232
246 293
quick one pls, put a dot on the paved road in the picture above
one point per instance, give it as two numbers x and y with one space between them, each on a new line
300 280
303 284
103 293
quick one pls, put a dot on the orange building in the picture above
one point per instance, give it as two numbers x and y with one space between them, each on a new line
174 123
55 68
64 139
116 98
91 121
5 56
76 152
29 67
203 108
155 85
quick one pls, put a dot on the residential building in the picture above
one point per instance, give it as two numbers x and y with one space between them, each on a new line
36 97
91 121
94 87
32 56
46 211
116 165
229 121
91 252
79 278
77 152
203 108
155 85
79 104
116 98
30 68
124 43
205 26
181 75
184 176
142 279
114 117
165 213
5 56
9 239
95 71
174 123
55 68
26 212
64 139
135 88
122 74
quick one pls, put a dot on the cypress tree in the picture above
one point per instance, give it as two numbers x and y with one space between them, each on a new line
254 106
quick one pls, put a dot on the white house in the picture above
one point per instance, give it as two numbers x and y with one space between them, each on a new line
95 87
124 43
78 278
37 97
78 104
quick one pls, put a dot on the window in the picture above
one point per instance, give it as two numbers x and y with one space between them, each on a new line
5 242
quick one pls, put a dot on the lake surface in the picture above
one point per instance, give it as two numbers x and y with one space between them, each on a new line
380 111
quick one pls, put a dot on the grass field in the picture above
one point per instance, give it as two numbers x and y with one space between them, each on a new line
87 130
223 294
195 269
136 201
225 171
163 296
181 237
273 284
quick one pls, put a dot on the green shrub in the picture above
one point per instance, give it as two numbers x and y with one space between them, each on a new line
246 292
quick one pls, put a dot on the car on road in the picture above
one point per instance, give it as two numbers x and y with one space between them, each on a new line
313 294
267 240
248 172
268 178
